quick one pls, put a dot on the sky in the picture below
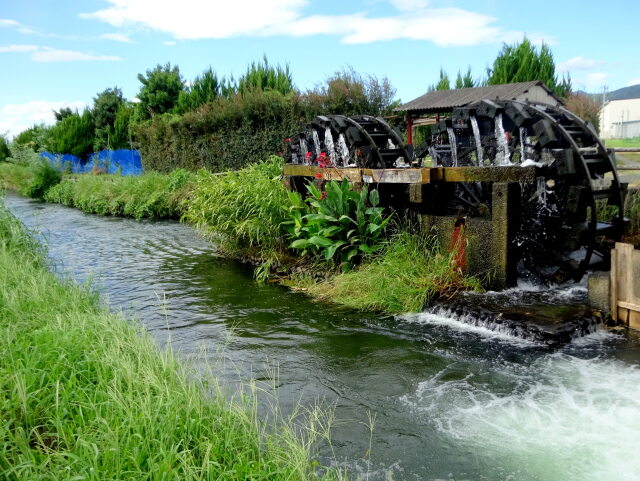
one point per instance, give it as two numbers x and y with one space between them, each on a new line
61 53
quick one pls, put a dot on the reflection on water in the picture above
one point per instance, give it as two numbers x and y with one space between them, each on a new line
450 402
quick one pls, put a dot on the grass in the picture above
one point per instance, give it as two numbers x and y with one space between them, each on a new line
408 274
152 195
86 395
242 210
629 143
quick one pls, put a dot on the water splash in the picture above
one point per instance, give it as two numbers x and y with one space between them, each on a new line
316 143
454 146
343 150
304 148
329 145
476 136
503 156
559 418
523 152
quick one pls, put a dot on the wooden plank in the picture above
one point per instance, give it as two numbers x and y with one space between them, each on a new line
613 283
629 305
489 174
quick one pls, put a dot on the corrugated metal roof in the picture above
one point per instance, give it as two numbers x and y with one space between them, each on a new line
444 100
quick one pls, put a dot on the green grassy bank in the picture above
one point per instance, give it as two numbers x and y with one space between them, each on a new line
333 239
86 395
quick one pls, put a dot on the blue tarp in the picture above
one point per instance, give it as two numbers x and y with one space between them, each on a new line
125 162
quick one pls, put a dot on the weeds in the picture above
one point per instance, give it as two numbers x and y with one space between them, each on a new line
409 272
242 210
86 395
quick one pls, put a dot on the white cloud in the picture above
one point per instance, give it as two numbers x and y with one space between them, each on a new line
634 81
595 80
578 63
9 23
170 43
14 118
116 37
414 19
18 48
49 54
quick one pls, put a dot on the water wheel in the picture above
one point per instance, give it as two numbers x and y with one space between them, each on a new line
572 212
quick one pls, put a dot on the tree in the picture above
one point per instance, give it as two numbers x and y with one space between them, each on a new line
202 90
73 135
105 107
121 137
34 137
263 76
466 81
63 113
585 107
523 62
443 83
349 93
4 149
160 90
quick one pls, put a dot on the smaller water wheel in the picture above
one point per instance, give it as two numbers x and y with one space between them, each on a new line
358 141
573 210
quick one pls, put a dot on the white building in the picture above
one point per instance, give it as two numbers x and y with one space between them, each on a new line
620 119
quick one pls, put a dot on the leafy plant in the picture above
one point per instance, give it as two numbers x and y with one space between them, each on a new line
44 176
337 221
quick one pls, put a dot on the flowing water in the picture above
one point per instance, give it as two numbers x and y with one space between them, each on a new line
503 157
477 139
451 401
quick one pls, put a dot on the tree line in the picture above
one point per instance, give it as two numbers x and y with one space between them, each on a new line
172 120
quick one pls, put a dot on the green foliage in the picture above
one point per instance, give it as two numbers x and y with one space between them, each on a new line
106 106
243 209
466 81
409 272
632 210
338 224
160 90
121 136
4 149
203 89
63 113
44 176
72 135
226 133
349 93
523 62
151 195
85 394
443 83
34 137
262 76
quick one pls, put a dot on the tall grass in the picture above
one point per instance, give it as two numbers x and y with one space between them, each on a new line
86 395
32 179
408 274
151 195
242 210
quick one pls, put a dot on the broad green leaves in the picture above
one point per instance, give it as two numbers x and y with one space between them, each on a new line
337 224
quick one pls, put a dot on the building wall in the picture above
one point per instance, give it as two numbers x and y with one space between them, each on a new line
620 119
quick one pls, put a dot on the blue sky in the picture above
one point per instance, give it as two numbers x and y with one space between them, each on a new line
57 53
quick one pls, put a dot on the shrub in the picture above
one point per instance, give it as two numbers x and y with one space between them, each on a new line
338 221
242 210
44 176
72 135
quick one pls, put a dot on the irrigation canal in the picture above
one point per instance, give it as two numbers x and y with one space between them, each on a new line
451 401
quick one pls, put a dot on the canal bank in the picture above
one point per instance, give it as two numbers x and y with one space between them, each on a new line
450 400
87 395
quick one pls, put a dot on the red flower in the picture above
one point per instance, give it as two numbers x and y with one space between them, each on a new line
318 176
287 140
323 195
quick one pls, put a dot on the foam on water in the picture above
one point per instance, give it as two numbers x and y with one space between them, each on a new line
564 419
466 324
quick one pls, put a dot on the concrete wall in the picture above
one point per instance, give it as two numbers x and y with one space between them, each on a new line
620 119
